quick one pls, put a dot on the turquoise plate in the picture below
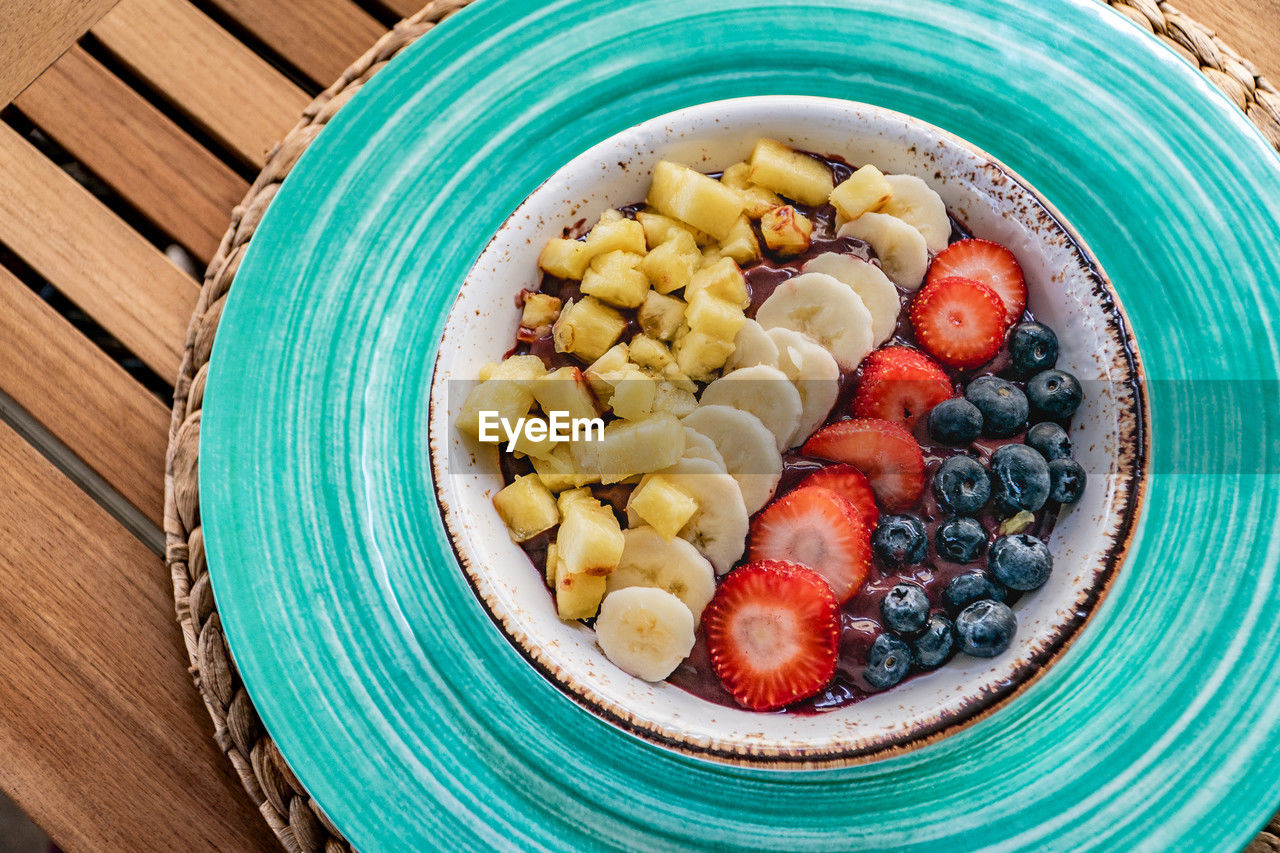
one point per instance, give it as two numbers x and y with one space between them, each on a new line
415 723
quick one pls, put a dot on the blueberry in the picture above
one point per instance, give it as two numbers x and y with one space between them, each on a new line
932 648
955 421
961 485
887 661
1020 561
1066 480
1050 439
1033 347
1020 478
964 590
960 540
1055 394
900 539
1003 405
904 608
985 628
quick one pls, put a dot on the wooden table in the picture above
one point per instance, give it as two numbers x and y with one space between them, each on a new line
133 128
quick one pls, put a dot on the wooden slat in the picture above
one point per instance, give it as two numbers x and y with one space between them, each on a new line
92 256
136 149
321 38
33 33
105 742
81 396
204 72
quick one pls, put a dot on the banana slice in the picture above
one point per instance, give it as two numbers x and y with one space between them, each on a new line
751 347
916 204
699 446
902 250
646 632
764 392
826 310
870 283
675 567
814 373
747 446
719 528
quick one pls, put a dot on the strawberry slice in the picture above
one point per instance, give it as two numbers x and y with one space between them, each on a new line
884 451
899 385
852 485
988 263
773 632
820 530
959 321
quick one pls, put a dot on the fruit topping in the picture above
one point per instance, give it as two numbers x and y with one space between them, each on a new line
899 385
955 422
1066 480
932 648
1033 347
1050 439
961 540
900 540
958 321
988 263
773 632
904 609
852 485
884 451
965 589
888 660
1055 394
1003 405
818 529
961 485
1020 561
985 628
1019 478
645 631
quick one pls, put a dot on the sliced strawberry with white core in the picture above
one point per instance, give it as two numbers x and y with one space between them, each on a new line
899 384
852 485
819 529
988 263
958 321
884 451
773 632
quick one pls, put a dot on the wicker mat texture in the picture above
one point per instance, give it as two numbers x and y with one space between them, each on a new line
296 819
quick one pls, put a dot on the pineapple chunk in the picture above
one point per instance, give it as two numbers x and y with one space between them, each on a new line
565 390
615 233
506 389
647 352
692 197
864 190
614 359
786 230
662 505
540 310
550 564
741 244
631 447
660 316
670 266
587 329
674 399
737 176
574 496
786 171
541 447
613 278
722 279
589 540
713 316
559 472
699 355
526 507
633 395
577 596
658 229
757 201
565 258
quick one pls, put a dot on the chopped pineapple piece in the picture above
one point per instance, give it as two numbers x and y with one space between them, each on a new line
864 190
633 395
757 201
526 507
574 496
699 355
662 505
741 244
541 447
565 258
658 229
713 316
1017 523
670 266
577 596
559 471
631 447
550 565
506 389
786 171
589 540
786 230
660 315
674 399
615 233
737 176
587 329
647 352
613 278
614 359
540 310
722 279
692 197
565 390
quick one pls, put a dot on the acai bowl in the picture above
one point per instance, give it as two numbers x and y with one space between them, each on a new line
695 283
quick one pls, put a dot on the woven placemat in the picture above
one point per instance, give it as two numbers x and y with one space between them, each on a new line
296 818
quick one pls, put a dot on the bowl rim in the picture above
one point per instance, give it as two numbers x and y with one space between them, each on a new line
975 708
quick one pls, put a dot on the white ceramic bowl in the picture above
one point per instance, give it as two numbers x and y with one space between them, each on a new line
1067 291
